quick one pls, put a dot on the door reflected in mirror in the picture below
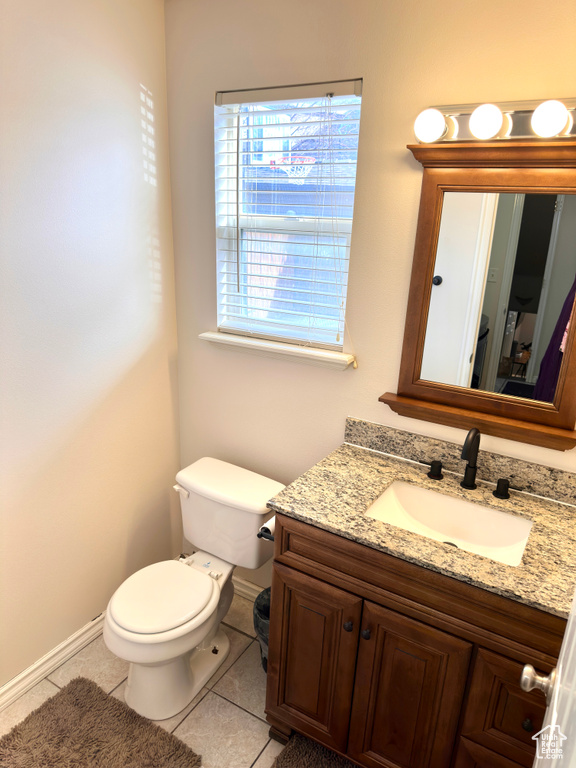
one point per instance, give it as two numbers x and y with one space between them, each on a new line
502 294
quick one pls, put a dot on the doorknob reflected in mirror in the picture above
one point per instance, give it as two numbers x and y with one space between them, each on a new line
530 680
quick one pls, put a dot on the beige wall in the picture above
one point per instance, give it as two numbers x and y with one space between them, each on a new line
279 417
88 355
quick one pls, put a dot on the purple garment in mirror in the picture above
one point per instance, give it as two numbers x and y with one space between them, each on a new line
545 388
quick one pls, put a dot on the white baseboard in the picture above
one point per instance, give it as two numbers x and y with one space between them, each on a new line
245 588
27 679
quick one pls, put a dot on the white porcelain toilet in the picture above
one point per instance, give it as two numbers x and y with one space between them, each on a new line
165 619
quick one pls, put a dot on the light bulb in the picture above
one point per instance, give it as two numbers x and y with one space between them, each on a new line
486 121
549 119
506 126
429 126
451 127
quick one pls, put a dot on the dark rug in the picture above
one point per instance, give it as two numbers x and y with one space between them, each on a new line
303 753
83 727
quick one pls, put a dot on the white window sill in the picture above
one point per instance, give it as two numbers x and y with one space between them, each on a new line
307 355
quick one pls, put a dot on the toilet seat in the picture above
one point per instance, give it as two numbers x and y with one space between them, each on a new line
160 598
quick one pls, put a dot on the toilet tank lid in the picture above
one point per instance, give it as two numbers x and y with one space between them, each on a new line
229 484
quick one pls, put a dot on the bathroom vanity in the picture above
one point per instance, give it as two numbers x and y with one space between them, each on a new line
404 650
397 650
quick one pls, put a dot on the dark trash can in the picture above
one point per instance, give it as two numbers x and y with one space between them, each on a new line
262 623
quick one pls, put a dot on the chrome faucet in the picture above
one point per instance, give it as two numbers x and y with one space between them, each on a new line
470 453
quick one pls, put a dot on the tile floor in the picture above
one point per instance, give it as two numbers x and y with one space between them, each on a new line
234 696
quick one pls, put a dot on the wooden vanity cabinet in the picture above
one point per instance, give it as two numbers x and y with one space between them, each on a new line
394 665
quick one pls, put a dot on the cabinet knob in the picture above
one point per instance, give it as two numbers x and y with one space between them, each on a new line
348 626
530 679
528 725
365 634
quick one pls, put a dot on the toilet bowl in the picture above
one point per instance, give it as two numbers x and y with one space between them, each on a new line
165 619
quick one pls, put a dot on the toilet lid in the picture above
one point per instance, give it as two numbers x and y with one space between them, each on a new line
160 597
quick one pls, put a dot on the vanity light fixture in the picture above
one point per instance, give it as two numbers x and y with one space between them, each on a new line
494 122
551 118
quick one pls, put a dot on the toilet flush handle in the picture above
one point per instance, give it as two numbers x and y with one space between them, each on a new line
181 491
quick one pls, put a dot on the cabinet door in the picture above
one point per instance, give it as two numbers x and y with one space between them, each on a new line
313 643
499 715
470 755
410 681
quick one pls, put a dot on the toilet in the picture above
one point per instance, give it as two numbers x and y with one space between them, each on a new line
165 619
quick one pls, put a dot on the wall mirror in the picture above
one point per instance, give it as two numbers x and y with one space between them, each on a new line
488 338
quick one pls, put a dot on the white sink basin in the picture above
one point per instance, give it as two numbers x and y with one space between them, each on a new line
473 527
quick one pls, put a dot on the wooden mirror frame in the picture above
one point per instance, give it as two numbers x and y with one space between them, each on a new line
516 167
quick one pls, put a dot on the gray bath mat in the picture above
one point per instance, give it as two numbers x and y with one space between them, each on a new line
303 753
83 727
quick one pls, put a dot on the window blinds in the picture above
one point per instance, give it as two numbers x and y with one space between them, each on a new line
285 179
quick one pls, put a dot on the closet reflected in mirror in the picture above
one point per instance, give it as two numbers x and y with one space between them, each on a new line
502 293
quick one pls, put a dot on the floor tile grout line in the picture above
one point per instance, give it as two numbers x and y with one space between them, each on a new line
209 690
261 753
239 706
110 693
211 687
179 723
240 631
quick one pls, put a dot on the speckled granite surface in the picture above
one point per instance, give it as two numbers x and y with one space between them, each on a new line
523 475
336 492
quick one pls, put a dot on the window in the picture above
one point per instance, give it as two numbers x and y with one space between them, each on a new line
285 178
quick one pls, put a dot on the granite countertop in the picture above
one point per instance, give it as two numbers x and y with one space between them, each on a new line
337 491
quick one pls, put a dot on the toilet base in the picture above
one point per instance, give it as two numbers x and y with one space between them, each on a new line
161 691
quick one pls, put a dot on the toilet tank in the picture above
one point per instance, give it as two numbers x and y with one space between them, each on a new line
223 507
